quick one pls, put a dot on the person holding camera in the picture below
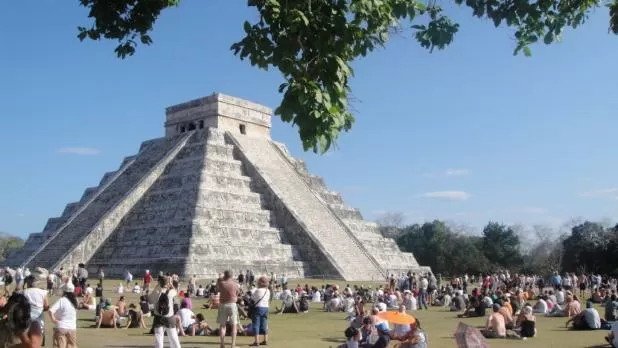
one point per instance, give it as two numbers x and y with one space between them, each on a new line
162 298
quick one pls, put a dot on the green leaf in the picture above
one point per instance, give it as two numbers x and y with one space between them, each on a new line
527 51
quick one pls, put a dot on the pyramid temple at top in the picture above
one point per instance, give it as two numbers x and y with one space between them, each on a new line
215 193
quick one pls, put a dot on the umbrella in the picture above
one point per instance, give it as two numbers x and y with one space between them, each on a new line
469 337
397 318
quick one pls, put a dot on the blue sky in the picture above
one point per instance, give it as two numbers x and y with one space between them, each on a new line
468 134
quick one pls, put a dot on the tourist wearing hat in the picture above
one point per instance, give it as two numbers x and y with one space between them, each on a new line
63 314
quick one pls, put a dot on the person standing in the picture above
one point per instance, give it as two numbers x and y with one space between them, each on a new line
422 294
147 281
162 297
259 315
63 314
228 309
38 302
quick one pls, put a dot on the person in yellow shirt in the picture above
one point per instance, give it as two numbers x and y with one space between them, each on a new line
507 305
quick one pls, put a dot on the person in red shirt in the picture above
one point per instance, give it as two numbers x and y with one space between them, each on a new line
147 280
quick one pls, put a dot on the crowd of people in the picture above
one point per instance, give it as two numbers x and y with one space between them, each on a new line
508 303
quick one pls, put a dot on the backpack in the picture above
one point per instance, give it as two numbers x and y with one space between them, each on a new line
163 305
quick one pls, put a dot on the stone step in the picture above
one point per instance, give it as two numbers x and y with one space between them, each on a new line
345 212
88 193
205 197
363 226
236 252
226 198
214 166
234 183
227 181
234 216
107 177
53 224
69 209
208 150
331 197
249 235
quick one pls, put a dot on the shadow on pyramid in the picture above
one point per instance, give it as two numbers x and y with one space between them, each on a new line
215 193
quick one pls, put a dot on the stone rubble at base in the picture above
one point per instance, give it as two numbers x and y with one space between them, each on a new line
215 193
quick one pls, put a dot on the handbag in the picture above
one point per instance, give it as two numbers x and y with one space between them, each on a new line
252 304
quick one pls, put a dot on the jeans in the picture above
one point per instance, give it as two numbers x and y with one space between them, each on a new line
259 321
422 299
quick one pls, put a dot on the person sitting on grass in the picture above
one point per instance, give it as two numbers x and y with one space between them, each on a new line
384 337
200 327
136 288
135 318
89 302
289 305
509 322
352 338
185 320
458 304
476 308
121 307
612 336
494 326
415 338
571 307
109 316
541 305
588 319
526 322
213 302
144 306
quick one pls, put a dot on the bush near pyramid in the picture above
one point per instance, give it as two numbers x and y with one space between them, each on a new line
215 193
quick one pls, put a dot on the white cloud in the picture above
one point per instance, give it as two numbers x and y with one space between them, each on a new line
605 193
447 195
447 172
457 172
83 151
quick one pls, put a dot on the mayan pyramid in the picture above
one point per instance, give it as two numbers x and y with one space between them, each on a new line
215 193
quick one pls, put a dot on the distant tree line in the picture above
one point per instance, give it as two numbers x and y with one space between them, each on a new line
9 243
583 248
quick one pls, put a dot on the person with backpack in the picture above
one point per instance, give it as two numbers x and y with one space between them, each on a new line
162 297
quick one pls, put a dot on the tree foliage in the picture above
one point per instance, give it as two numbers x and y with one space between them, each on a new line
501 245
591 248
9 243
313 42
435 245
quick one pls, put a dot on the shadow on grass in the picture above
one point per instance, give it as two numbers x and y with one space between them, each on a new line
333 340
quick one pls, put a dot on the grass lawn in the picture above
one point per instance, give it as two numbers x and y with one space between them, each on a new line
320 329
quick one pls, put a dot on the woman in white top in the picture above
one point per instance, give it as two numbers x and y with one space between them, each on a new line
37 299
259 317
63 314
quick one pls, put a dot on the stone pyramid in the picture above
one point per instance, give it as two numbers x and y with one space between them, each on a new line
215 193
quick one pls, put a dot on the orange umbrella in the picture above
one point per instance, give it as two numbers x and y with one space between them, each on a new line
397 318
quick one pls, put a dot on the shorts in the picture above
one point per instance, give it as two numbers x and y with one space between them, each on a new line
91 307
228 312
